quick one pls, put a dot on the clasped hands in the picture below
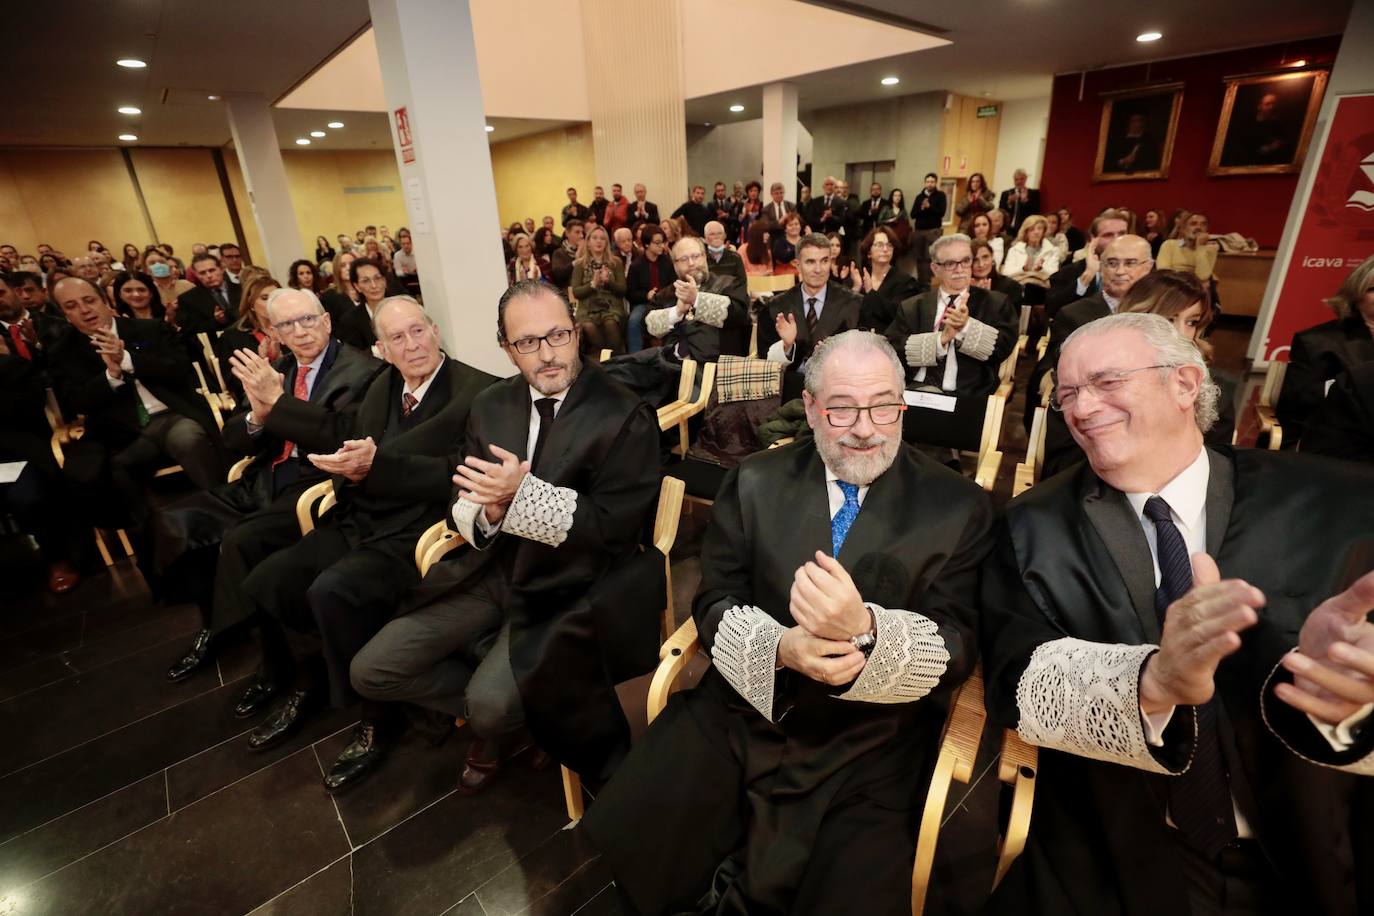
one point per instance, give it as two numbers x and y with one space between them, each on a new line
111 350
352 461
491 484
829 611
686 291
262 384
1333 672
952 322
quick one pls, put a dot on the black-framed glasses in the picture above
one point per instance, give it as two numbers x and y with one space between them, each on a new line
1103 383
880 414
306 323
559 337
965 263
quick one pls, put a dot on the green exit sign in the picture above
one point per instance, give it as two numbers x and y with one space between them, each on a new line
987 111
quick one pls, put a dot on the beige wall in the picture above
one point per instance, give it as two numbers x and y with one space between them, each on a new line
533 173
184 197
906 130
66 198
343 192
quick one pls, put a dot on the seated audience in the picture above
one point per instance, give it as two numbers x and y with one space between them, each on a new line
341 296
986 276
623 241
563 258
977 198
980 230
818 307
1192 250
134 297
231 259
648 276
1154 231
252 331
1343 426
1055 237
1139 624
357 327
169 287
323 250
723 260
837 620
1081 276
757 253
27 287
997 219
1071 232
303 275
785 238
211 306
882 284
546 241
403 262
525 265
1032 258
373 250
708 315
598 285
130 261
841 264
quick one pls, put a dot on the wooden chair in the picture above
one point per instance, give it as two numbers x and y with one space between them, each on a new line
237 468
226 399
605 355
680 411
1268 400
989 455
306 509
1006 373
1028 471
769 284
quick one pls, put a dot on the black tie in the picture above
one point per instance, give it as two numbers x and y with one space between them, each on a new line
811 317
545 407
1200 799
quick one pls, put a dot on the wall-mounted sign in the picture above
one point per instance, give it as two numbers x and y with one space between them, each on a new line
403 137
987 111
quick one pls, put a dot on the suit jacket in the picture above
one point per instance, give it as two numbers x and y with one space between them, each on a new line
1064 286
1343 426
637 280
990 335
196 309
815 213
650 213
880 305
729 265
1072 561
160 365
1319 354
1016 211
567 612
703 341
24 430
868 211
841 313
355 328
769 211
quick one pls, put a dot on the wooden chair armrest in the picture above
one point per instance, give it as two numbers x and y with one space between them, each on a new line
669 514
605 355
237 468
427 540
674 654
211 398
448 542
668 414
1275 437
1017 769
785 440
304 517
988 466
1024 479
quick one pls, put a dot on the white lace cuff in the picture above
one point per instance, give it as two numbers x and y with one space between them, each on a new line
746 654
907 661
1337 736
921 349
465 519
977 340
660 321
1083 698
540 512
712 309
776 353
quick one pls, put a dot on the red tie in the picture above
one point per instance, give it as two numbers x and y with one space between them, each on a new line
20 348
408 403
301 393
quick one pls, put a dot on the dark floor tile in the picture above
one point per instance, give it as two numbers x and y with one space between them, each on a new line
62 783
605 903
33 675
468 906
225 854
47 638
328 892
106 589
43 850
554 879
441 855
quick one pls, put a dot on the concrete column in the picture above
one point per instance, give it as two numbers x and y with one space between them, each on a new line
264 175
780 138
429 70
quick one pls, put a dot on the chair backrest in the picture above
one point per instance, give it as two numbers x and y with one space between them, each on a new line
669 513
323 492
992 425
1273 383
1025 321
237 468
770 283
605 355
210 400
211 359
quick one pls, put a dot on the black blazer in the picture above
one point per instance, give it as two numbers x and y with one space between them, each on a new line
841 313
977 378
337 305
1072 561
702 341
1343 426
160 364
880 305
355 328
196 309
815 213
24 429
637 284
729 265
650 213
1319 354
1064 287
1015 216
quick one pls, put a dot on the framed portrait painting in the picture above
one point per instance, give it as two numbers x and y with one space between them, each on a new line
1136 138
1266 122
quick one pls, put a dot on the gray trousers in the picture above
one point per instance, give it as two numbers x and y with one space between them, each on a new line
179 438
453 656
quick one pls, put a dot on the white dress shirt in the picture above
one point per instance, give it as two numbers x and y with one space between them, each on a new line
418 393
836 495
777 353
950 381
487 528
126 365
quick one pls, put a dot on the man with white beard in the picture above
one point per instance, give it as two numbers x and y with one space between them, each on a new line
837 605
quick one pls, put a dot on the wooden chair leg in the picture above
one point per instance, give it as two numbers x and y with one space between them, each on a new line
104 551
124 542
572 794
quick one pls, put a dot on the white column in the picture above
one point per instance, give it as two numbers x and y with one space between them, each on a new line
780 138
429 68
264 175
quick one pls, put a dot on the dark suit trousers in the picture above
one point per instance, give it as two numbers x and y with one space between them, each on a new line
332 597
179 438
40 500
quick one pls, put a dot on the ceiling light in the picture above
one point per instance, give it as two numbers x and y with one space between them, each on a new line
128 138
736 108
302 141
132 63
213 98
890 81
130 110
490 128
706 124
334 125
1300 62
1149 36
317 133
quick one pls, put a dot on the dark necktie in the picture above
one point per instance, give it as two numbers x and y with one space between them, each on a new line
545 408
811 317
1200 799
408 403
223 298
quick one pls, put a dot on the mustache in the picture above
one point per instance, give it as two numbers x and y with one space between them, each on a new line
854 441
551 364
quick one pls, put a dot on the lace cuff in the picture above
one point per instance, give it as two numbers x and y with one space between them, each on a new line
921 350
1362 767
745 652
659 322
465 519
1083 698
776 353
907 661
977 340
712 309
540 512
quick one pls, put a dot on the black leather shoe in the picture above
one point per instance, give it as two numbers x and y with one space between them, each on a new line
284 721
363 755
198 657
256 696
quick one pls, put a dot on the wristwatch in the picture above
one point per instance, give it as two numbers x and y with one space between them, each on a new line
865 642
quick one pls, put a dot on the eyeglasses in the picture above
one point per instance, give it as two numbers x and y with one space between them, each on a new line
965 263
555 338
1128 263
306 322
689 258
1103 383
880 414
880 243
368 281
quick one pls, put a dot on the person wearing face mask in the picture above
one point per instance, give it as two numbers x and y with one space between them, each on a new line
723 261
158 266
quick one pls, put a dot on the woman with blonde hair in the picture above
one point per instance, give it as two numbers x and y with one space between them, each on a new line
598 285
1032 259
341 296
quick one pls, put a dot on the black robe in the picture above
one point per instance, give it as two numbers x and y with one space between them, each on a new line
1072 560
1319 354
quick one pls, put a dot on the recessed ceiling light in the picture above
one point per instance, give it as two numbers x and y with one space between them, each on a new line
318 133
1300 62
213 98
132 63
129 109
890 81
302 141
128 138
706 124
490 128
334 125
1149 36
736 108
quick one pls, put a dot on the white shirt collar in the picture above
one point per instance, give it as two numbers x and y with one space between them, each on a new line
419 393
1186 494
818 296
536 394
1112 302
946 293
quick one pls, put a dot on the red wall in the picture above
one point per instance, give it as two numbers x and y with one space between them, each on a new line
1255 206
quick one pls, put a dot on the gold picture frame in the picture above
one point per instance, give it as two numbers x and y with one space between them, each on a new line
1135 141
1274 140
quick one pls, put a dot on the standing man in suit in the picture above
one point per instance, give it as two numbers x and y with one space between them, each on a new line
574 210
849 227
826 211
1140 619
954 336
706 315
132 381
642 210
1019 201
214 304
837 620
1081 276
559 477
337 586
723 210
205 545
868 210
722 259
928 223
777 207
819 307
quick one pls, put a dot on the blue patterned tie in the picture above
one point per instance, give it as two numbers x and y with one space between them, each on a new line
844 519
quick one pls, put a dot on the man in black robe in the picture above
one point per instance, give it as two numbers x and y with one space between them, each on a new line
1179 771
837 604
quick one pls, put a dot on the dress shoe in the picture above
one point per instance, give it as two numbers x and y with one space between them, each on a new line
284 721
256 696
62 577
482 765
195 659
363 755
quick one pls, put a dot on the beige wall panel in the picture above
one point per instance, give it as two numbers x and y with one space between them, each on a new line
905 130
343 191
70 197
183 194
240 190
532 174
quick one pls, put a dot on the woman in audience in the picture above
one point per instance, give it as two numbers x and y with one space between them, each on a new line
755 252
135 296
525 265
882 285
598 285
340 298
1154 231
303 276
1325 351
545 241
671 231
1056 238
130 259
372 249
749 210
323 250
47 263
1031 259
647 275
158 266
785 245
684 228
841 264
980 227
978 199
252 331
986 275
893 215
372 283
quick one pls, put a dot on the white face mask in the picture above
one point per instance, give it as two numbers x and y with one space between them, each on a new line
715 249
160 270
